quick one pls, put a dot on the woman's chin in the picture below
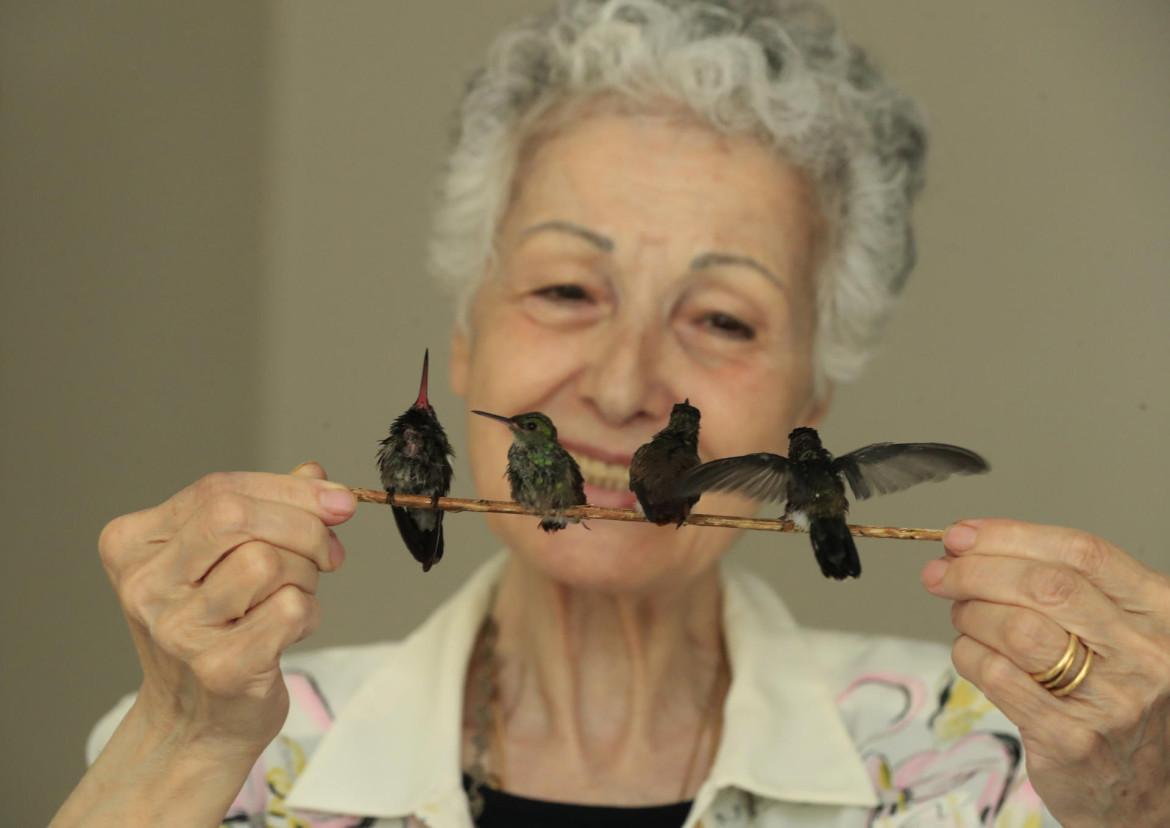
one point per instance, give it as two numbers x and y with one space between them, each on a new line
612 556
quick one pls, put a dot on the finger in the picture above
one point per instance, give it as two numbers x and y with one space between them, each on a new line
1061 732
1033 642
332 502
248 575
1136 587
230 520
282 619
1054 591
1130 672
245 659
1009 688
310 469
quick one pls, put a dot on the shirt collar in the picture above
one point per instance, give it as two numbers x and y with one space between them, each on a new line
394 749
783 737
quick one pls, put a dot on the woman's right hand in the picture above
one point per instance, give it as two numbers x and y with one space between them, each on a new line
215 583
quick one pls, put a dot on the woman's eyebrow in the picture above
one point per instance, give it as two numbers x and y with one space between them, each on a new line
605 245
715 259
602 243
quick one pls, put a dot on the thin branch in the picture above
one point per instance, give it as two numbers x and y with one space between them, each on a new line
452 504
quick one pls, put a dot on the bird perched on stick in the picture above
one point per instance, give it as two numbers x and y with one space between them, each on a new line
415 459
658 465
542 474
812 483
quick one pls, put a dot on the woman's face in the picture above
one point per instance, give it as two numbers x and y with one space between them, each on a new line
642 262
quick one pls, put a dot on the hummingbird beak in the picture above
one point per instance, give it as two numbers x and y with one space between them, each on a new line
505 420
421 402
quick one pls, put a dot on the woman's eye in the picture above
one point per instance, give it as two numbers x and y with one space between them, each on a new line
565 305
564 293
727 325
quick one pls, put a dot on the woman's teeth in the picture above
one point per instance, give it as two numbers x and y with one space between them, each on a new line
604 475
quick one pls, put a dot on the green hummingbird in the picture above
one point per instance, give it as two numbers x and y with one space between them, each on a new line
812 483
658 465
413 459
542 474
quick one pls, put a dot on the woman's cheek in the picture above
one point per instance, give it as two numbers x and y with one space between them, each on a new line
525 361
751 410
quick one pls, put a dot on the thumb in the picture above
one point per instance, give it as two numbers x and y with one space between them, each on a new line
310 469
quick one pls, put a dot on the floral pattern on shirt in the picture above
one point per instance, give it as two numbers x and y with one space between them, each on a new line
260 803
973 775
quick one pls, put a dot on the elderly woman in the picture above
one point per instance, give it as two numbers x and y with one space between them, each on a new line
649 200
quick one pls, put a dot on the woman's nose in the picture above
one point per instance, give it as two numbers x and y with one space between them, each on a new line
624 375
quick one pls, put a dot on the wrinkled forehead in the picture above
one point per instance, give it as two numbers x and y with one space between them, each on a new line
620 179
543 124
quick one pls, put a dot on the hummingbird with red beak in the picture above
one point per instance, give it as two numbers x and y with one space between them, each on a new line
812 483
542 474
415 459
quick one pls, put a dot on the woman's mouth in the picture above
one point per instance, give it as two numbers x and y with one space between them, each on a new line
606 484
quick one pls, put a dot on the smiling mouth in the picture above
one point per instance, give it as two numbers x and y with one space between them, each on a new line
602 475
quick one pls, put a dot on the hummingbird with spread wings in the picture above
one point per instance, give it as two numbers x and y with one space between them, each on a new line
415 459
811 482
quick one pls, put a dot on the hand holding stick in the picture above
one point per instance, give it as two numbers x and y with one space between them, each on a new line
454 504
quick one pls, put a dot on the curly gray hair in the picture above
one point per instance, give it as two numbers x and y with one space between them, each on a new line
779 69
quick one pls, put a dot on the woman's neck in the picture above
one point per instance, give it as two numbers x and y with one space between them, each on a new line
604 696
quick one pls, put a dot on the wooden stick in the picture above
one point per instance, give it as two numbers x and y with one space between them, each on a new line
453 504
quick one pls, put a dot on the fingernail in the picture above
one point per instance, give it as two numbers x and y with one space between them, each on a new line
959 538
339 501
301 466
933 572
336 551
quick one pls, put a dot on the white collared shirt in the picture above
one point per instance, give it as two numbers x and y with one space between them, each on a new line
820 729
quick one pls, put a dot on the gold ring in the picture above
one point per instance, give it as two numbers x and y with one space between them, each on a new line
1079 677
1056 673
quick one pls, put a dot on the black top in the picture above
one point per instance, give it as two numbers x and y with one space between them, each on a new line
505 810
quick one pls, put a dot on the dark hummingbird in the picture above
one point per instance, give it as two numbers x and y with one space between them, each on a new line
812 482
542 474
658 465
413 459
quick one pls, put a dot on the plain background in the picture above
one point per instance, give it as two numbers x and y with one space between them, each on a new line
212 221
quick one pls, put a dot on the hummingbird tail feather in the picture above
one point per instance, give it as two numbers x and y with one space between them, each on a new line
834 548
425 544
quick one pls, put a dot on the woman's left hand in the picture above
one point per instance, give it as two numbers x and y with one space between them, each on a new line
1100 755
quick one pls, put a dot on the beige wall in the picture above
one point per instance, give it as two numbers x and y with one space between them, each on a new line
130 248
241 190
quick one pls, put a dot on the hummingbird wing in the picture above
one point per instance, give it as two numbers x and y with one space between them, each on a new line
883 468
762 476
578 482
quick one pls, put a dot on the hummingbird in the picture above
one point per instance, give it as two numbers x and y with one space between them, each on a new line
812 482
658 465
414 459
543 475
